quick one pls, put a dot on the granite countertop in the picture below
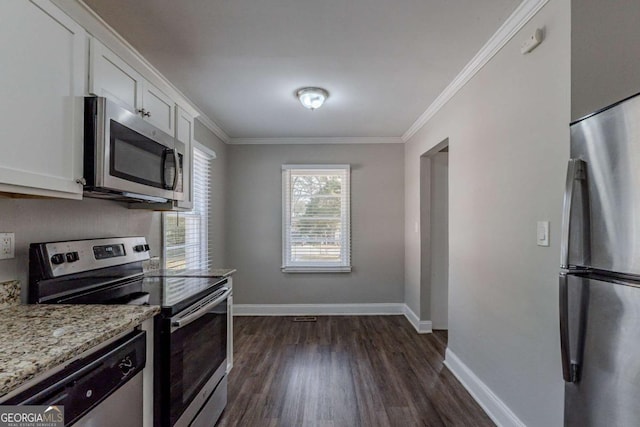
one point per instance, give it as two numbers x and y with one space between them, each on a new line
37 338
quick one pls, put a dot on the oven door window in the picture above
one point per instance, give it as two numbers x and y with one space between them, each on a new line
197 350
137 158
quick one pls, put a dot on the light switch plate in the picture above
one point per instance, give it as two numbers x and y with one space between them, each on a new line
542 235
7 245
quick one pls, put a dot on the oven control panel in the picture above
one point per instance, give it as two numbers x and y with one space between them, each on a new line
77 256
109 251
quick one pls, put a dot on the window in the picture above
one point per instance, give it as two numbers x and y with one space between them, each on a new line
186 236
316 218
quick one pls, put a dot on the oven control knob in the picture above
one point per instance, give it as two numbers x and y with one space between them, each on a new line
138 248
57 259
72 256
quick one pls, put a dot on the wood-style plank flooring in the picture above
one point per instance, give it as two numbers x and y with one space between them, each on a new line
343 371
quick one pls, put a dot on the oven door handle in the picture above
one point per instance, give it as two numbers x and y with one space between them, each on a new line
199 311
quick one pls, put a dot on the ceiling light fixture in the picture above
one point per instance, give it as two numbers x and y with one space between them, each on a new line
312 97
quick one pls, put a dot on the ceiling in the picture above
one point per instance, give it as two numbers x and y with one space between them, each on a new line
241 61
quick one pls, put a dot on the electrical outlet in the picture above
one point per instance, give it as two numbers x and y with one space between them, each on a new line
7 245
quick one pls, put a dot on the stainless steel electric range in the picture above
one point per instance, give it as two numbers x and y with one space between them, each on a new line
190 349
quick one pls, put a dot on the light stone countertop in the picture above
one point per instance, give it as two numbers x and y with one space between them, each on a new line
36 338
222 272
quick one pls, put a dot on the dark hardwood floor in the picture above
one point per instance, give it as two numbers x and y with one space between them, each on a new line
343 371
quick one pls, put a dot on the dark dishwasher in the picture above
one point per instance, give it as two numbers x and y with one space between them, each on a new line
102 389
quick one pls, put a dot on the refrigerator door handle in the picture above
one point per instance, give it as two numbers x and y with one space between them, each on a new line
564 329
576 171
573 325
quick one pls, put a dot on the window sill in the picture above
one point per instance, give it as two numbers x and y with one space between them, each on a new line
316 269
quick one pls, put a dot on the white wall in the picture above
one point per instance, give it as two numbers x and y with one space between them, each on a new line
254 225
508 147
605 59
439 228
434 236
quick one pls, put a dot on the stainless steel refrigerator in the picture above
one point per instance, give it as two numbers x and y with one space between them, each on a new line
600 270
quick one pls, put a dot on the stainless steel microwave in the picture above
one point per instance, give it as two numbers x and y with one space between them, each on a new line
128 159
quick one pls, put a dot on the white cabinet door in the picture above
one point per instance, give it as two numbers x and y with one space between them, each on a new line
159 108
184 134
42 82
111 77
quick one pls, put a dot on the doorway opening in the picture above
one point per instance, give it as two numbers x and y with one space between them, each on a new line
434 238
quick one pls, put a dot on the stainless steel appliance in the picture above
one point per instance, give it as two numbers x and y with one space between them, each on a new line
190 348
600 269
95 387
126 158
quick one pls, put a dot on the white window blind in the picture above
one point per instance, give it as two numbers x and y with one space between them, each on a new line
316 218
186 237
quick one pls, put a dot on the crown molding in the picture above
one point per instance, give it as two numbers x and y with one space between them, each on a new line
523 13
317 140
100 29
213 127
106 34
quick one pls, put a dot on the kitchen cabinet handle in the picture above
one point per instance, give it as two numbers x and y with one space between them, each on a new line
147 114
140 111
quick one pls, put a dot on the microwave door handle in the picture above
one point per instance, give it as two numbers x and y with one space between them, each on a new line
176 159
164 168
192 317
165 156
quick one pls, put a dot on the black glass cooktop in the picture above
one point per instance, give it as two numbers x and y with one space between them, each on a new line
175 293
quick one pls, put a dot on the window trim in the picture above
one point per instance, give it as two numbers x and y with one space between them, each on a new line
211 155
344 267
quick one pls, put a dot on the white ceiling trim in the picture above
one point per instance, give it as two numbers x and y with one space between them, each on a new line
100 29
213 127
513 24
317 140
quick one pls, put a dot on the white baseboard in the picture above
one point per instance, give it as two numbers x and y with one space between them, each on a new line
317 309
495 408
421 326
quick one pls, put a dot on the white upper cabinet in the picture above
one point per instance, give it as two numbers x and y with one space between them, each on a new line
42 81
184 134
111 77
158 108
